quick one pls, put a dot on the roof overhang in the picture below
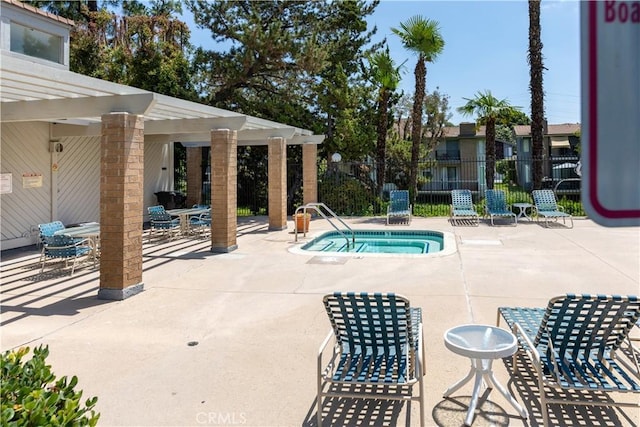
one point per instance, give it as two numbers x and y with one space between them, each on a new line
34 92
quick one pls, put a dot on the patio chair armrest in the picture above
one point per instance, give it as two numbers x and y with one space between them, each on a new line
420 353
82 242
324 343
533 353
321 351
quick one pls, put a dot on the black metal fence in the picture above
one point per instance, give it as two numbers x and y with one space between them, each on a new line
349 188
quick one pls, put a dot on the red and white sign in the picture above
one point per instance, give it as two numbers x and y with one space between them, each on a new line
611 111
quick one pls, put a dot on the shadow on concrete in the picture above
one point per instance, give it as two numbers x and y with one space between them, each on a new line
524 386
346 411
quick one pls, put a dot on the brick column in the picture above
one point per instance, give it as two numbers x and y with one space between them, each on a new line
309 173
121 206
224 190
277 157
194 176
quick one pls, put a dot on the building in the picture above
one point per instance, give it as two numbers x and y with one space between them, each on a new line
560 154
77 149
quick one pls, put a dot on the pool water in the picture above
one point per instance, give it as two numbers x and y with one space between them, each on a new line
374 241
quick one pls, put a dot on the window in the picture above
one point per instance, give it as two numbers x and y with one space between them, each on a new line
39 44
451 174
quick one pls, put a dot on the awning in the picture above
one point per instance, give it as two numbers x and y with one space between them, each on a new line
560 142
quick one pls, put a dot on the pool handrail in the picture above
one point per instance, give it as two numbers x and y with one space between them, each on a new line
318 208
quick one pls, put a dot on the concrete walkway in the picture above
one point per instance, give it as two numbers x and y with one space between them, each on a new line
232 339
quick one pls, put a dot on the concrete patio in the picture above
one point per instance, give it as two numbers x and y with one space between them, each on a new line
231 339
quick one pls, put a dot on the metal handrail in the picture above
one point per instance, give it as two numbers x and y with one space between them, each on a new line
317 207
555 188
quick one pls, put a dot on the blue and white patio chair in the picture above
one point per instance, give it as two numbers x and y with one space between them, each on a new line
201 224
48 230
496 206
162 223
377 344
547 207
65 248
462 208
399 206
573 345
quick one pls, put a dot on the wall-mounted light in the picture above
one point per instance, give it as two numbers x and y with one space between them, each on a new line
55 147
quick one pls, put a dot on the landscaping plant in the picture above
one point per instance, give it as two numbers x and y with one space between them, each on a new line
31 395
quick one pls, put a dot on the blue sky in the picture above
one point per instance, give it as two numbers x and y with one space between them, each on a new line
486 45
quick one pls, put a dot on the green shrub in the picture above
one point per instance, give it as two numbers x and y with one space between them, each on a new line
572 207
31 395
349 197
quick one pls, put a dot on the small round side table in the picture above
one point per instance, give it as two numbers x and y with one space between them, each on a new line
482 344
522 210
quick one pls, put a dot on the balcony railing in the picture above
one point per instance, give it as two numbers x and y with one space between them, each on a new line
448 155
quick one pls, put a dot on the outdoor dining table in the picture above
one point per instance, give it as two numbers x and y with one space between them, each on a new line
89 230
185 215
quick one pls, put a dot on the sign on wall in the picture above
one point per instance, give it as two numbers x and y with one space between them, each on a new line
610 35
6 185
31 180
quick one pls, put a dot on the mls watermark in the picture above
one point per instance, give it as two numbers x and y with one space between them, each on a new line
221 418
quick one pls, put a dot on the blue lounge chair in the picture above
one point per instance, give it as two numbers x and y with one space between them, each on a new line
496 206
573 344
65 248
377 344
201 223
399 206
462 208
162 223
547 207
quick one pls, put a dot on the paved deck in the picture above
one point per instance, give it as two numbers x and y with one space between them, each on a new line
257 318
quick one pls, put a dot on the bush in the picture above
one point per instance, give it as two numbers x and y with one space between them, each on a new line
31 395
572 207
348 197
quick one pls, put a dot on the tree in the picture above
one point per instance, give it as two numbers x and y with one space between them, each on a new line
437 116
297 62
386 77
488 108
422 37
146 48
536 68
509 118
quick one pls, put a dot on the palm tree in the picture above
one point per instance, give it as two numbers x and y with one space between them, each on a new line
387 77
537 96
488 108
421 36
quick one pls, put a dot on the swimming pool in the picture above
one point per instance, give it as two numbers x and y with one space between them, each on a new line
381 242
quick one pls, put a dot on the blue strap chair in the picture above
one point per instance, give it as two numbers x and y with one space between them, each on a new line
573 344
462 208
377 343
202 222
547 207
399 206
496 206
161 222
65 248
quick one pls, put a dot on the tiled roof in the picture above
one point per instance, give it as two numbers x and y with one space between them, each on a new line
40 12
561 129
454 131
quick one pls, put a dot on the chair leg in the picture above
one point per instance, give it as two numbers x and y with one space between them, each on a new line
73 266
319 403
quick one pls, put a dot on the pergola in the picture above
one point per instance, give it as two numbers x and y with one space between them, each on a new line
125 118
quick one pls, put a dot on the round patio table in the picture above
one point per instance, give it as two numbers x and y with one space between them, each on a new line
482 344
522 209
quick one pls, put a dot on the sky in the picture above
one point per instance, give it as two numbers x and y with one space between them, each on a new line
486 45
